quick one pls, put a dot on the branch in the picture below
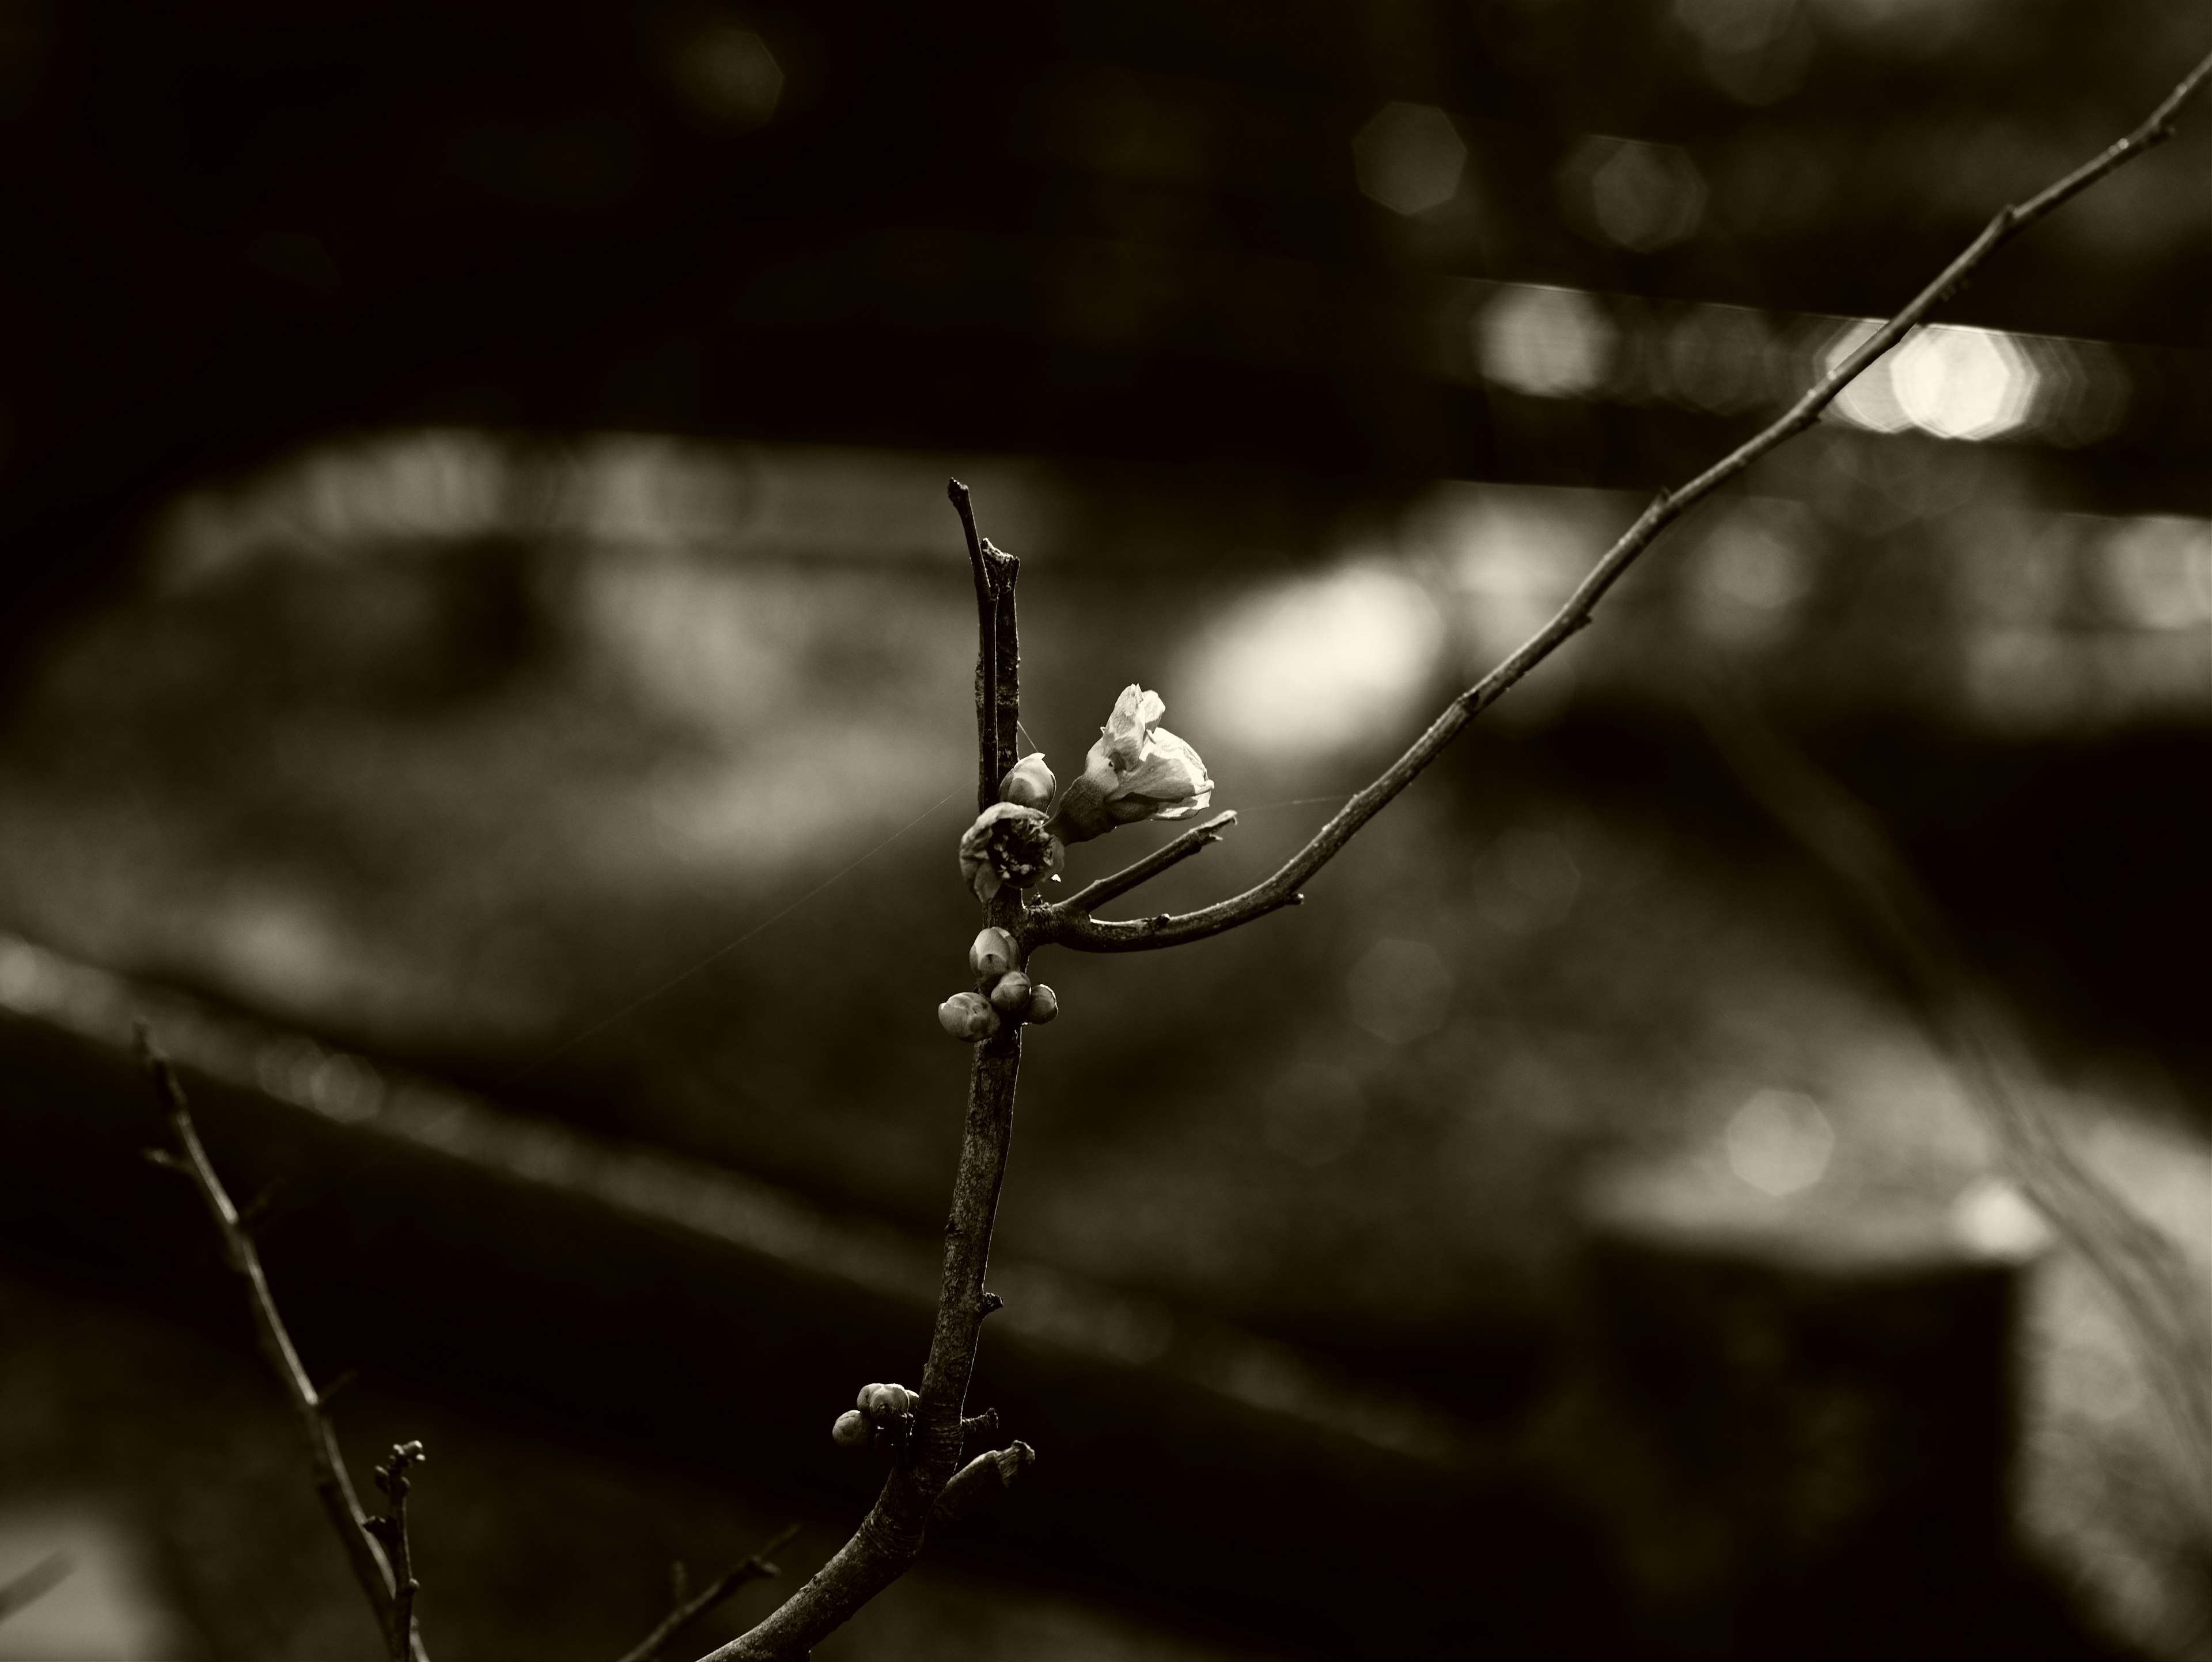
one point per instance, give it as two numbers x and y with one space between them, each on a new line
391 1531
688 1611
996 1469
890 1538
1085 901
1085 934
333 1485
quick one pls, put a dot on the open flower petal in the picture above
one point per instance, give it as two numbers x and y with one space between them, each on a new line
1137 770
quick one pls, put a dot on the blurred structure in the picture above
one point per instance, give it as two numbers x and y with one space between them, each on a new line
483 607
1352 239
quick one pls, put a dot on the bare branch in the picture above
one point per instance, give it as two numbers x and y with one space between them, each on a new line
987 657
891 1536
333 1485
1087 900
686 1611
392 1531
1086 933
985 1424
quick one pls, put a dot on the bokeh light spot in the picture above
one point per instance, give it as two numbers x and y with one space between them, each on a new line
1640 197
1318 665
1400 991
1409 158
1779 1142
1552 342
726 74
1952 381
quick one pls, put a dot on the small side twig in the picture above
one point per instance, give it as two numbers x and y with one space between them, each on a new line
1088 899
985 1474
333 1483
686 1610
987 658
1086 933
392 1531
985 1424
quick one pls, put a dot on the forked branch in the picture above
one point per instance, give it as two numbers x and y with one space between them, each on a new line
687 1608
333 1484
1072 928
1087 900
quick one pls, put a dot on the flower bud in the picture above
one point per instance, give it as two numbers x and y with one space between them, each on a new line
969 1016
1137 770
1011 993
1045 1005
992 952
851 1431
887 1402
1029 782
1008 843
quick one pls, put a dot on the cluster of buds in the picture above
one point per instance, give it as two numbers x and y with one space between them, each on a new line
1137 770
878 1410
1007 994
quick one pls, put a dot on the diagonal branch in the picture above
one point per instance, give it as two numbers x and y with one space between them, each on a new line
995 1469
1087 900
1086 933
688 1611
333 1485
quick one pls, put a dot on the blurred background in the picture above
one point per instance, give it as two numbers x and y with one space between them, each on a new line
487 668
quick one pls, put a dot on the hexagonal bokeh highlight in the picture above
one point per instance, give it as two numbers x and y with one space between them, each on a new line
1409 158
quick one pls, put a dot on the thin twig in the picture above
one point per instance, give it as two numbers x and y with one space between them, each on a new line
1086 933
333 1484
391 1530
890 1538
1087 900
2158 1294
687 1611
996 1469
985 1424
987 656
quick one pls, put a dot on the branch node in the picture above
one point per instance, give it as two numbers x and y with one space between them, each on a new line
985 1425
339 1381
989 1302
1013 1460
685 1608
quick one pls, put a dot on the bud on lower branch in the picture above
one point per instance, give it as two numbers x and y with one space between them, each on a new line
968 1016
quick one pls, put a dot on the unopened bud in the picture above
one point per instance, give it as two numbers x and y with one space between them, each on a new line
992 952
1029 782
1011 993
1045 1005
850 1430
969 1016
886 1402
